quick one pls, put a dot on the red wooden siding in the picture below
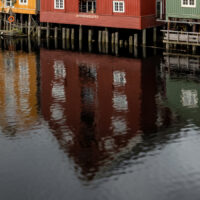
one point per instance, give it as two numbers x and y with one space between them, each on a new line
139 14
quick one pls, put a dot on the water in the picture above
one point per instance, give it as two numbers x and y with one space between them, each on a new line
92 126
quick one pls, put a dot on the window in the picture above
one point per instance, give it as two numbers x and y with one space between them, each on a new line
8 3
23 2
188 3
59 4
118 6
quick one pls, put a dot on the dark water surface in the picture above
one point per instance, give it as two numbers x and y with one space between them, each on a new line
93 126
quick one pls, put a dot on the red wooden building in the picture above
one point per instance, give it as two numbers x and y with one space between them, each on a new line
131 14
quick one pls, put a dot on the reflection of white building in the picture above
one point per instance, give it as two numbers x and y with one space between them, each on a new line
18 89
119 78
189 98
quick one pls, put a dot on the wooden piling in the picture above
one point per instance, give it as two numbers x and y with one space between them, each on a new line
0 21
112 38
68 33
155 34
29 25
130 41
21 22
106 35
116 38
72 34
90 35
80 33
135 39
63 33
39 31
121 43
144 35
99 36
55 32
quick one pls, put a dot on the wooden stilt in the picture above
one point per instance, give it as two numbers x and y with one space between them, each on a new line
48 31
29 25
56 33
63 33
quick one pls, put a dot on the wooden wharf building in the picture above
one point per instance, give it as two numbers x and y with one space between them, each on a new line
25 13
106 15
183 23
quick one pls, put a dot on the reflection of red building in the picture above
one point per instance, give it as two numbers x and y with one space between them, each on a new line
97 105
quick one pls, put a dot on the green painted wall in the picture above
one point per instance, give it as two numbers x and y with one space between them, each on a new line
174 9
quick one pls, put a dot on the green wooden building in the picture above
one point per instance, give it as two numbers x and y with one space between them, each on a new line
183 23
183 9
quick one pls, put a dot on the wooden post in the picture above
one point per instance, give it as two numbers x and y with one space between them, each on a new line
80 37
106 35
55 32
144 35
63 33
194 48
121 43
103 37
68 33
113 38
135 39
21 22
48 31
29 25
72 34
89 35
130 40
116 38
0 21
39 31
154 34
80 33
4 24
72 38
99 36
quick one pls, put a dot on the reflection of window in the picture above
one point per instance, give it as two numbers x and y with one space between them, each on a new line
58 92
87 95
88 72
9 63
119 78
59 69
56 112
119 125
189 98
120 102
9 3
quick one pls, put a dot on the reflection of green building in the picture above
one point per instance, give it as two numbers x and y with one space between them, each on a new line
183 98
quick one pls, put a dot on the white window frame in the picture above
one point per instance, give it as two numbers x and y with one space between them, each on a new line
59 8
188 4
11 5
21 2
118 11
